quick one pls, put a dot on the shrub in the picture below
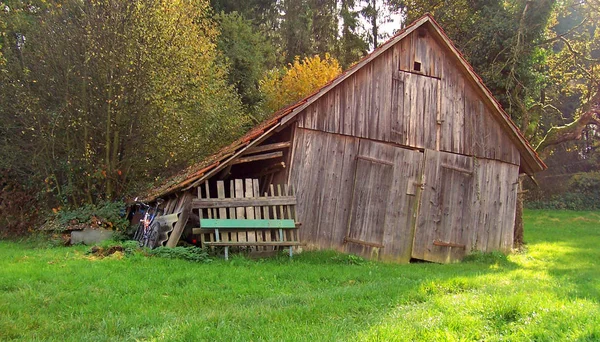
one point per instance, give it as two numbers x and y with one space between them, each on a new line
194 254
583 193
109 215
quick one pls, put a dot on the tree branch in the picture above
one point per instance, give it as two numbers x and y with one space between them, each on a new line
575 129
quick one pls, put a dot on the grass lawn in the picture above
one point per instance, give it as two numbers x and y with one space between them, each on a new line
549 293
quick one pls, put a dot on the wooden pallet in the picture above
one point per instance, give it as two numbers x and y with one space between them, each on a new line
243 218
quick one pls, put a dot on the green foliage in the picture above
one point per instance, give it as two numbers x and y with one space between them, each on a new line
248 53
104 214
194 254
582 193
98 111
349 259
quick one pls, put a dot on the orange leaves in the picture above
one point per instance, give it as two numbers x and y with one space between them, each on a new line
299 79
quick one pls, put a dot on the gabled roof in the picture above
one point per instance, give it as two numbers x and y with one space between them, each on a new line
198 173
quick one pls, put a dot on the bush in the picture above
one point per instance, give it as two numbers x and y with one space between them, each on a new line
194 254
18 207
109 215
583 193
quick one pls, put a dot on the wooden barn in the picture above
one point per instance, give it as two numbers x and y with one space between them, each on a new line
406 155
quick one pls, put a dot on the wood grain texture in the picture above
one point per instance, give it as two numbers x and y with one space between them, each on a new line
435 108
473 209
323 174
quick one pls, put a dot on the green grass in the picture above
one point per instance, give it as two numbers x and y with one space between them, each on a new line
551 292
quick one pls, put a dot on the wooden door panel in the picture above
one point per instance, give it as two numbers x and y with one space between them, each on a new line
415 100
369 201
383 202
443 226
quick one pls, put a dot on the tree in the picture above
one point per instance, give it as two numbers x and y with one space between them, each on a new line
248 54
106 92
571 101
352 45
284 86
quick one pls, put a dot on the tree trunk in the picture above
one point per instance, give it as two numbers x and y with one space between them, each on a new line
557 135
518 233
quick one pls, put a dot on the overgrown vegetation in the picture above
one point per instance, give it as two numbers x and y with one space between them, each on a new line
108 215
191 253
582 192
549 293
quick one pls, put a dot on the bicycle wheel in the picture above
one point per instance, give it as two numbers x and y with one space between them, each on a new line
139 233
151 235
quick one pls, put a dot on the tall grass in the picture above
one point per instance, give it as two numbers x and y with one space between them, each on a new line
550 292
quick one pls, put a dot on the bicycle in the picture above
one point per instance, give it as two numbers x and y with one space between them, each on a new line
147 230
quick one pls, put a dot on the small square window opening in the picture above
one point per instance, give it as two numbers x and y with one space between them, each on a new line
417 66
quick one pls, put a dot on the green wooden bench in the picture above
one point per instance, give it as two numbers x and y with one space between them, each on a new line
247 220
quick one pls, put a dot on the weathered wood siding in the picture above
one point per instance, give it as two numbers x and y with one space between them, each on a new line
383 201
467 204
435 108
323 173
357 190
411 116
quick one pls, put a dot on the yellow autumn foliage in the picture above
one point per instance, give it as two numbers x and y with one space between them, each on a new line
281 87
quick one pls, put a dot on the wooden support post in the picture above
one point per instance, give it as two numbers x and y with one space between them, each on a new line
258 157
180 225
268 147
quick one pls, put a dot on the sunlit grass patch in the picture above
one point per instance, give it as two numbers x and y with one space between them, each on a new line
549 292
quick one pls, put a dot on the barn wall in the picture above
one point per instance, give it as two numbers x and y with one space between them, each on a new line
435 108
468 203
357 190
322 173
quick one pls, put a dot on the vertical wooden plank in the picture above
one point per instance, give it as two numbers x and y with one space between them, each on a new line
259 234
232 211
221 213
256 193
280 207
207 189
249 193
275 237
240 212
273 207
221 194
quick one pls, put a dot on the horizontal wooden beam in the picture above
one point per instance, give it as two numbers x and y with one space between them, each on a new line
277 243
258 157
245 224
373 160
205 203
457 169
448 244
365 243
198 231
267 147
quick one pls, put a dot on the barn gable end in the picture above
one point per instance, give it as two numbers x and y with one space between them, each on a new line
435 107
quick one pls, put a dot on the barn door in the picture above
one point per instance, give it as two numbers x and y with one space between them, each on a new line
443 223
373 176
415 109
